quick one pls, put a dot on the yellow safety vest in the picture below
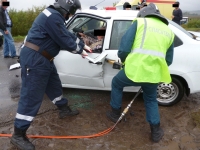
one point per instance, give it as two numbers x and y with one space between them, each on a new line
146 61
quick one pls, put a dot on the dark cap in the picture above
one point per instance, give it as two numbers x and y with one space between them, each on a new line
126 4
177 2
152 11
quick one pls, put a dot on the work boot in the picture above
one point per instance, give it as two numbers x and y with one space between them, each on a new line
16 56
156 132
65 111
20 140
114 114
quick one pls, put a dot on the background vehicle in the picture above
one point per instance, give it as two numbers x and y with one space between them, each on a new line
76 72
164 6
184 20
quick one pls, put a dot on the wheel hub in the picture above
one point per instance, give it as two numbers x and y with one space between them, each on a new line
167 92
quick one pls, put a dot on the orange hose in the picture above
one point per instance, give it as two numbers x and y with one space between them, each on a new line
67 137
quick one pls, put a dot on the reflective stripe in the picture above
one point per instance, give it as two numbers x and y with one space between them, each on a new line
78 48
172 37
46 12
24 117
77 41
144 33
149 52
74 52
57 99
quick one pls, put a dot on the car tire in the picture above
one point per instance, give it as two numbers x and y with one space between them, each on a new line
170 94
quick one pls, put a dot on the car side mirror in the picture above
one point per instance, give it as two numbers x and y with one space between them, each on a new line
77 30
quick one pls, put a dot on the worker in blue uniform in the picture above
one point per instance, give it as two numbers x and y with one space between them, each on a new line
45 38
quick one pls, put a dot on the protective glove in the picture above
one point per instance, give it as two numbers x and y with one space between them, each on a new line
87 48
84 54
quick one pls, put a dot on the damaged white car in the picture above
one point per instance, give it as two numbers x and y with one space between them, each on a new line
97 73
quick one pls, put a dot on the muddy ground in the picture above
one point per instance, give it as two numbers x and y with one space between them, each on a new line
179 122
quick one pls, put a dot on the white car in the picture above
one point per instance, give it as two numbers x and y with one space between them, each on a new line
76 72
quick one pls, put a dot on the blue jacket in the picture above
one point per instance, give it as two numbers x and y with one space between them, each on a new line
127 42
3 20
177 16
49 33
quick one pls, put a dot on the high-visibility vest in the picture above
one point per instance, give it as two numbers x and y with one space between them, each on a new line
146 61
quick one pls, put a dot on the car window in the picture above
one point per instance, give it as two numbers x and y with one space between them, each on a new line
118 29
76 22
84 27
92 24
184 20
177 41
86 23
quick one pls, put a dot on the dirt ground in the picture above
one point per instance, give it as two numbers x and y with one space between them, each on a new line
181 122
181 131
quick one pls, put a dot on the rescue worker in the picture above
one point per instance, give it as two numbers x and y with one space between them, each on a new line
146 50
45 38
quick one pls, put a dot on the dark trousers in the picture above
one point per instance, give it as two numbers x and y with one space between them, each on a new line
1 40
39 76
8 43
149 95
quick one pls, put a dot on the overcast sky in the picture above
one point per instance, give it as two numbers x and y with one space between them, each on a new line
25 4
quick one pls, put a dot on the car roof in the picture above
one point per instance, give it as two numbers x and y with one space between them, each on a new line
111 13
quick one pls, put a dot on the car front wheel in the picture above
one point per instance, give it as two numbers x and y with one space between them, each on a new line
170 94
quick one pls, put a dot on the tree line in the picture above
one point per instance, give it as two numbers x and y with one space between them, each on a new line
22 20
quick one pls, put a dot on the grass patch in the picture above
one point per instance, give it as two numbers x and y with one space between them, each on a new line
192 29
19 38
193 24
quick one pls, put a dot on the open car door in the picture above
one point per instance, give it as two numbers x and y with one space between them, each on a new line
75 71
78 71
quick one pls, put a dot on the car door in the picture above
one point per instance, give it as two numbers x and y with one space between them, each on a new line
118 29
75 71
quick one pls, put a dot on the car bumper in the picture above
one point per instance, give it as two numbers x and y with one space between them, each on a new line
192 80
